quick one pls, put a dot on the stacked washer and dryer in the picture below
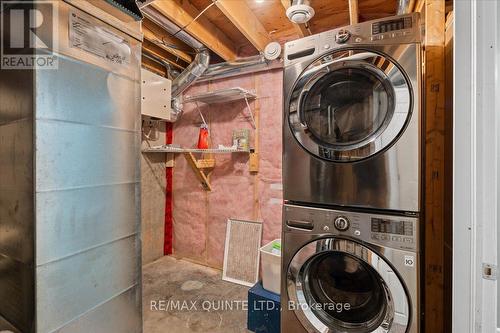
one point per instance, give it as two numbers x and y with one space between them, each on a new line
352 178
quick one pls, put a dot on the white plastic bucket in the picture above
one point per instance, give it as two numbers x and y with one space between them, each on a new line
271 268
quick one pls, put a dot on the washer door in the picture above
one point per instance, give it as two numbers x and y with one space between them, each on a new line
349 105
337 285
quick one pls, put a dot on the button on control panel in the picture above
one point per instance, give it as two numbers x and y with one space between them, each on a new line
342 36
341 223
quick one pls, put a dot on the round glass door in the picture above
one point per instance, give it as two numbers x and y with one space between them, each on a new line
349 105
336 285
349 291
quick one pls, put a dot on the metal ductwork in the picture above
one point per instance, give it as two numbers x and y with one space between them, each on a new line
238 67
193 71
199 69
405 6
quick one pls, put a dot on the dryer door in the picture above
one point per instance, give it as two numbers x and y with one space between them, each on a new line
349 105
338 285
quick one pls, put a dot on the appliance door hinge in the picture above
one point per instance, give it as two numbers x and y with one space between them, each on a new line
490 272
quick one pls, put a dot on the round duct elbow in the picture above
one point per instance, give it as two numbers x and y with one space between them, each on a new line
300 13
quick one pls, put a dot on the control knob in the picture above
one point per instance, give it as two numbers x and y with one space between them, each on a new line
341 223
342 36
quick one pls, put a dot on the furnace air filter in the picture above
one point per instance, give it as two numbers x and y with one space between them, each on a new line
241 252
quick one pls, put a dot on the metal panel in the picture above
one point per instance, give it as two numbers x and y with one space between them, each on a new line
73 155
87 94
68 288
104 319
16 191
16 87
16 199
88 190
130 70
87 146
79 219
17 293
5 325
156 95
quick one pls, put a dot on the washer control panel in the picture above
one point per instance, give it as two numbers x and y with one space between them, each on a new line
392 229
395 231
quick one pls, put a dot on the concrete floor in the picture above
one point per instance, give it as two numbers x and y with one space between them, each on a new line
180 296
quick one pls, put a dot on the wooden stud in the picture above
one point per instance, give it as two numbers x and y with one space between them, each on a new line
183 14
433 12
247 23
353 12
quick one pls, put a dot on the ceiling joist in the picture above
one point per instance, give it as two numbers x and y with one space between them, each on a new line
158 52
247 23
183 14
160 37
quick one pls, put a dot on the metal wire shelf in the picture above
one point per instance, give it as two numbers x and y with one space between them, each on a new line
224 96
167 149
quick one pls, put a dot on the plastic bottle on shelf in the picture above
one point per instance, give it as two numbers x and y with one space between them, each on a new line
203 137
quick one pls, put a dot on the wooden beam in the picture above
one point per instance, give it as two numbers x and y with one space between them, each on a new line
183 14
247 23
161 53
353 12
301 29
435 191
160 37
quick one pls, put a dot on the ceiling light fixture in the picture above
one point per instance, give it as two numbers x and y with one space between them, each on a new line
300 11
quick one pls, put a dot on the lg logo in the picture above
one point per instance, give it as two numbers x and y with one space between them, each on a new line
28 31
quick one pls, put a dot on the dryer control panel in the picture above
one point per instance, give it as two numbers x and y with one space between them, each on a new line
402 29
394 231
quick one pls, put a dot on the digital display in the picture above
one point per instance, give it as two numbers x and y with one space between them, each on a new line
392 25
392 227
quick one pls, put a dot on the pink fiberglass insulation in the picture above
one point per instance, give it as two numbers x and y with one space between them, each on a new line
199 216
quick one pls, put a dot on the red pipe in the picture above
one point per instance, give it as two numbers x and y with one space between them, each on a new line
168 236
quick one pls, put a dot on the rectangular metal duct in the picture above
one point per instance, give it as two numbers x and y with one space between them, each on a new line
70 181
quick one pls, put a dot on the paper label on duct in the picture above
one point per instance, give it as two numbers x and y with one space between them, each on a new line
91 36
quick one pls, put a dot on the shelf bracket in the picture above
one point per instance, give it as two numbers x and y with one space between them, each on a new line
251 113
198 166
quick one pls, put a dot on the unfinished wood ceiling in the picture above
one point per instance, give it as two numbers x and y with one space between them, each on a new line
239 28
